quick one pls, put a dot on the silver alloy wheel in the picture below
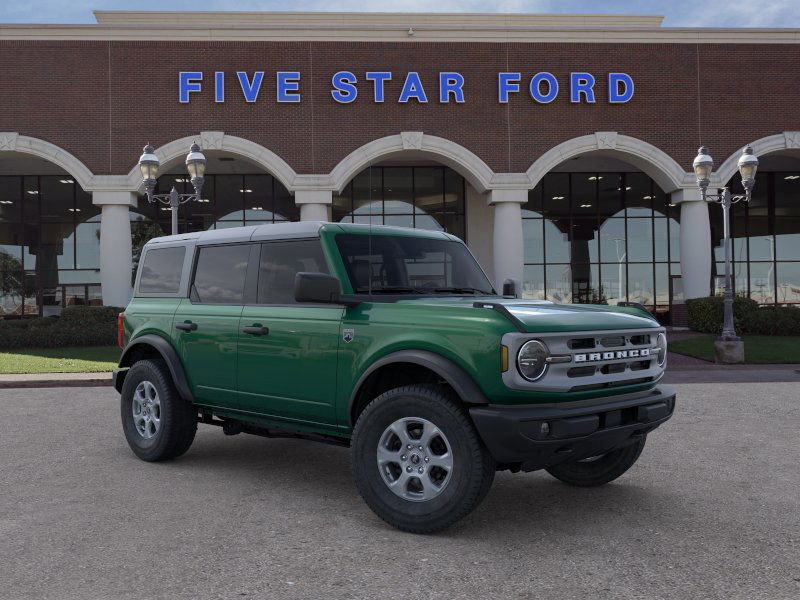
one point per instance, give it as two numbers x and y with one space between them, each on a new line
415 459
146 407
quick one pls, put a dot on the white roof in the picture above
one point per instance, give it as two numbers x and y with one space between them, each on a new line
244 234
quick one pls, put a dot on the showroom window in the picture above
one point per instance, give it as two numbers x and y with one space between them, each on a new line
228 201
601 238
49 246
766 240
421 197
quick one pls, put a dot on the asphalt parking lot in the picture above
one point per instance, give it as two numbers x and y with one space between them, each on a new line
712 510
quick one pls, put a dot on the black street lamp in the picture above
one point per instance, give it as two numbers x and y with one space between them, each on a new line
195 164
703 165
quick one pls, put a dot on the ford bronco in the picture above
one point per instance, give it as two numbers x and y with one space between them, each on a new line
390 341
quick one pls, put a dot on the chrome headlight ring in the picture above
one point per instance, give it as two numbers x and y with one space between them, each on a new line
532 360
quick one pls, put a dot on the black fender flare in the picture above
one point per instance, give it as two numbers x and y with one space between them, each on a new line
455 376
167 352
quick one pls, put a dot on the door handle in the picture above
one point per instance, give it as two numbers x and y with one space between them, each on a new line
256 330
186 326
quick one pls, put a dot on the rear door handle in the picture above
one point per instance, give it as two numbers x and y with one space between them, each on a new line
256 330
186 326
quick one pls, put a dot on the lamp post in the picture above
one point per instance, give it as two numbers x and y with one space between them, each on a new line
195 164
703 165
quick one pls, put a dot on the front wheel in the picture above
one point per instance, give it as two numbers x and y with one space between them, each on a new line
418 461
599 470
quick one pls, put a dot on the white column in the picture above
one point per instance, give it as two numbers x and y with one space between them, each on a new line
116 261
507 245
480 223
314 204
695 243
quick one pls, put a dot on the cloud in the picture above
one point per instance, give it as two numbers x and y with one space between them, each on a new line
775 13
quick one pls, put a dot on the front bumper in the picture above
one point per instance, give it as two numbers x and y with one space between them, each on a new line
539 436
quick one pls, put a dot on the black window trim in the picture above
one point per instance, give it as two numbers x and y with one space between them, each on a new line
193 273
138 282
253 277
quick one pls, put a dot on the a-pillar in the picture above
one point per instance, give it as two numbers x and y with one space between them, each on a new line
315 205
116 257
507 245
695 243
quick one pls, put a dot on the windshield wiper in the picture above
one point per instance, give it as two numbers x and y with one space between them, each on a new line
462 290
397 289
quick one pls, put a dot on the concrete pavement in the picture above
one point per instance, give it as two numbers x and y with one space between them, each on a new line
712 510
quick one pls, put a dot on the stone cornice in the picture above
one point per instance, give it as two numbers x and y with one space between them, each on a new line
391 27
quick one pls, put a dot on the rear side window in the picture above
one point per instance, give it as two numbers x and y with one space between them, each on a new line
220 274
161 271
280 262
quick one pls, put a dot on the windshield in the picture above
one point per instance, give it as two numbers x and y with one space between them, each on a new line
388 264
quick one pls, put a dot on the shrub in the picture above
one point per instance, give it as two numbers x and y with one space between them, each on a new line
90 314
706 315
77 326
776 321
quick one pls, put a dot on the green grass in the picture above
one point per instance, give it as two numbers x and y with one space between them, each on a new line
90 359
758 349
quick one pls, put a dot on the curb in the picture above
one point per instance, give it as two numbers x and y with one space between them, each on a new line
23 381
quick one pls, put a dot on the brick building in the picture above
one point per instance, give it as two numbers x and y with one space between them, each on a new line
558 147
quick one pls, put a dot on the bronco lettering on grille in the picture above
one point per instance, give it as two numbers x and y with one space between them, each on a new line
616 355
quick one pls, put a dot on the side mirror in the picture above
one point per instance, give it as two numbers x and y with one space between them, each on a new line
510 288
319 288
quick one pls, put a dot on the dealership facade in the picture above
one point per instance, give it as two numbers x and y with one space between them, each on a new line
558 147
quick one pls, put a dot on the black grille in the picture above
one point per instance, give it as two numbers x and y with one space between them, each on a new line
581 371
613 342
581 343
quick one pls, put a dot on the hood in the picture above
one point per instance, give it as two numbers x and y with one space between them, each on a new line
538 316
545 317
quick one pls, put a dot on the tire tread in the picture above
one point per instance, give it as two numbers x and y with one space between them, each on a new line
478 487
180 417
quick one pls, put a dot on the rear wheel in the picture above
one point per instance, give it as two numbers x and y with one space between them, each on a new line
157 422
418 461
599 470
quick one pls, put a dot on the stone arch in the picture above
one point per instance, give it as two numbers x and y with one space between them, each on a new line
11 141
656 163
444 151
218 140
781 142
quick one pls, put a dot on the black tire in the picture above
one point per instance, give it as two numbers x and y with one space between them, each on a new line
599 471
177 418
472 466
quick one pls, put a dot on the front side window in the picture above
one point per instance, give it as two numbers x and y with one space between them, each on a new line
220 274
413 265
280 262
161 271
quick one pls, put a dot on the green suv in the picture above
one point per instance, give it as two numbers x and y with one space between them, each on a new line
390 341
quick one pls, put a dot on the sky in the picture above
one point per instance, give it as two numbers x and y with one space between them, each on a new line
678 13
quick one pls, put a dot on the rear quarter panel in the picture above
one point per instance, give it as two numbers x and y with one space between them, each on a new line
150 315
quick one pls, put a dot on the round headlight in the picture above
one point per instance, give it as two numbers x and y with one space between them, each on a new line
661 349
531 360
